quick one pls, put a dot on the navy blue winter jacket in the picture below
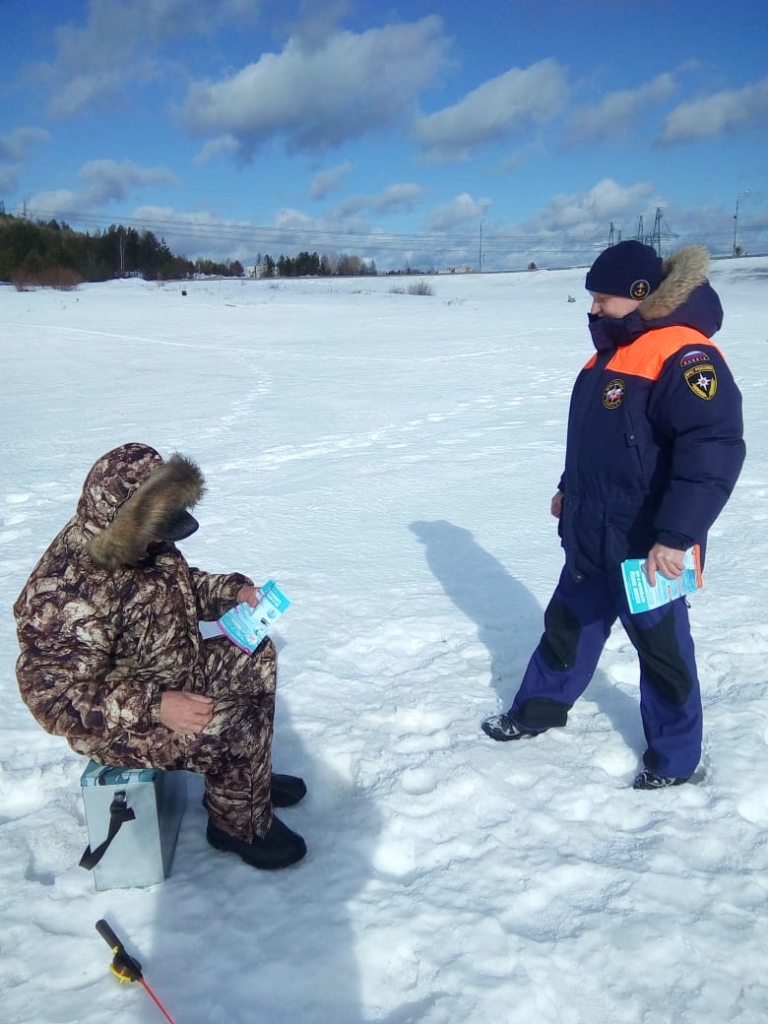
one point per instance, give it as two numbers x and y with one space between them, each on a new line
655 441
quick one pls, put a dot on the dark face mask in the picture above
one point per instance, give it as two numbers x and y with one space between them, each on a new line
610 332
153 552
179 527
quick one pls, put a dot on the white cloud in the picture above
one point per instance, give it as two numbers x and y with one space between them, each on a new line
108 180
60 203
8 179
198 234
497 110
316 99
16 145
287 219
318 21
725 111
118 47
96 85
461 210
328 181
97 60
396 198
222 145
105 181
348 208
616 115
589 214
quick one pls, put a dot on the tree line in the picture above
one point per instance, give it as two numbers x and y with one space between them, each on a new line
52 253
311 265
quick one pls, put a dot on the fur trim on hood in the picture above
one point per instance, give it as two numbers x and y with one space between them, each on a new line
168 489
683 271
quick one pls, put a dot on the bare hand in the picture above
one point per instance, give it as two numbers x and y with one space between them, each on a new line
185 712
667 561
251 596
556 505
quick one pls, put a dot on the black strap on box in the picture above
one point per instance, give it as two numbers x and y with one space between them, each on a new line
119 812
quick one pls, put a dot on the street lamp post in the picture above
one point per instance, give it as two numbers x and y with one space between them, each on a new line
736 221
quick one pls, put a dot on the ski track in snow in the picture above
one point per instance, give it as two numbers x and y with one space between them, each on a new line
390 460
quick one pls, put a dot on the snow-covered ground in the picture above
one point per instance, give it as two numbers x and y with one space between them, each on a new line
389 459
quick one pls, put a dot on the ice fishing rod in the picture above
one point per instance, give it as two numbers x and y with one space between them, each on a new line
125 967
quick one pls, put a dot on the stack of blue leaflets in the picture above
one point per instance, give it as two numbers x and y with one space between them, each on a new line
642 596
246 625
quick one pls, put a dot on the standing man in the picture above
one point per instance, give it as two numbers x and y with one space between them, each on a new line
653 452
112 658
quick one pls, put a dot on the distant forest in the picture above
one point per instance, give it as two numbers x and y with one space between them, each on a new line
50 253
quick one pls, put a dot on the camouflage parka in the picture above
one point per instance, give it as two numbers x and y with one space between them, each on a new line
104 626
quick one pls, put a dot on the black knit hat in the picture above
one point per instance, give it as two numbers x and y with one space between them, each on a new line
629 269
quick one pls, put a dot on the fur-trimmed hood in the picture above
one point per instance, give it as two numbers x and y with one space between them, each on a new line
682 273
129 497
684 298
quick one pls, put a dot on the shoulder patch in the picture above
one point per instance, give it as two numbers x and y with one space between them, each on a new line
701 378
613 394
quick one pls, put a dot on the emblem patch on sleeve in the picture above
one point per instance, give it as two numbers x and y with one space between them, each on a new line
613 394
701 379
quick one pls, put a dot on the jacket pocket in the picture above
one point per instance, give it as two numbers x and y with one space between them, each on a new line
614 546
632 442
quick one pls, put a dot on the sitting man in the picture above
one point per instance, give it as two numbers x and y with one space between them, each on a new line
113 660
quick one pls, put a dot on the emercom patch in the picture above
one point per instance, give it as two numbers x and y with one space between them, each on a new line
701 379
613 394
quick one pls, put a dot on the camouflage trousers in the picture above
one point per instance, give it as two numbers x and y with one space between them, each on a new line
234 751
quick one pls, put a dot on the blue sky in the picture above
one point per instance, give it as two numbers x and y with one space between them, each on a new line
422 134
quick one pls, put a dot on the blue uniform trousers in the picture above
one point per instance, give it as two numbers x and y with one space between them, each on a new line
577 623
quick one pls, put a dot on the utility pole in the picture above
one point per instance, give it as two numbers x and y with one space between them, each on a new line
736 249
480 255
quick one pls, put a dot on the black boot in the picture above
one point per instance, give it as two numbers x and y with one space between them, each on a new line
503 728
286 790
277 849
648 779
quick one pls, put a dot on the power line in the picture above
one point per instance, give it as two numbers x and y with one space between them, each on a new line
452 248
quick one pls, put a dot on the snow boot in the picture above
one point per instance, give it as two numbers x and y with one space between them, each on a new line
650 780
503 728
286 790
277 849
